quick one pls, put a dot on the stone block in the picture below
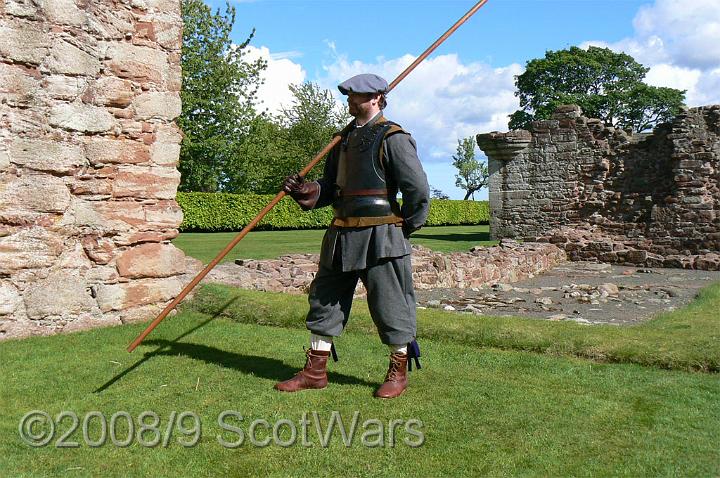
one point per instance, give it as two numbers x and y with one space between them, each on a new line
64 12
23 43
33 193
608 256
46 155
164 214
151 260
63 87
168 6
61 294
91 321
74 257
104 216
110 23
137 62
137 293
654 260
131 238
88 186
165 151
100 250
80 117
10 299
68 59
4 158
22 326
679 261
102 274
168 31
109 91
567 146
29 248
708 262
173 78
18 84
100 151
689 164
162 105
22 8
154 182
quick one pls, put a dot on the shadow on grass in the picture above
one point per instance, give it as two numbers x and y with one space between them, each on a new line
159 350
249 364
264 367
467 236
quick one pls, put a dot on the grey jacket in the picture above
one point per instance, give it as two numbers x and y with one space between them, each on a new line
364 246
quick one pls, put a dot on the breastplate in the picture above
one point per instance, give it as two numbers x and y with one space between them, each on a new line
361 183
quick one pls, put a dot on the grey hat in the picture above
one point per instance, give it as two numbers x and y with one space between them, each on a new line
365 83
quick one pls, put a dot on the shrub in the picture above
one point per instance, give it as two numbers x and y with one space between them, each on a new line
213 212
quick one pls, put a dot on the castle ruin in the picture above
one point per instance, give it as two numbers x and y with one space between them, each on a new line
606 194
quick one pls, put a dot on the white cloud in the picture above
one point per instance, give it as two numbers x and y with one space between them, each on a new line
679 41
280 73
283 55
690 30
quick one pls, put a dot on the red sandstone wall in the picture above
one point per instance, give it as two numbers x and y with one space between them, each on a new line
89 91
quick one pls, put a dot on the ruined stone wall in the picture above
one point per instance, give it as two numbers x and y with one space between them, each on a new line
508 262
620 193
88 162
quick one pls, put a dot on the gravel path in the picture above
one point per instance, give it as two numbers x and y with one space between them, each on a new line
584 292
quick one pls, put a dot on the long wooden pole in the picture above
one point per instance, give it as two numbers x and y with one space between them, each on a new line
281 194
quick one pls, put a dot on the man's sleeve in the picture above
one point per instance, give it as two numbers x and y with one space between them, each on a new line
410 179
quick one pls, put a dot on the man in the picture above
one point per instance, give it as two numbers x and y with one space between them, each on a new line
367 238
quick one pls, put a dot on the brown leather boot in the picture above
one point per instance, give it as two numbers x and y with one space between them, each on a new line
396 377
313 375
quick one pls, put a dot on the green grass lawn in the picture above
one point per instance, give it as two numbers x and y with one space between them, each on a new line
271 244
685 339
484 410
496 396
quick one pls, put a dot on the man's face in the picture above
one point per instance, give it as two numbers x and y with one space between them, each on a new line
360 104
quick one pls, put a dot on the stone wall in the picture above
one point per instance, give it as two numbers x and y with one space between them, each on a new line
88 162
481 266
599 190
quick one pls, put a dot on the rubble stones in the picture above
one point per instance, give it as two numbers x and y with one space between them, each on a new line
482 266
640 295
581 243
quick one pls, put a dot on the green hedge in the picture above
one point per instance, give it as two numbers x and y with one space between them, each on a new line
211 212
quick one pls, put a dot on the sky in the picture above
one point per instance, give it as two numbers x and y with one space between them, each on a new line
467 86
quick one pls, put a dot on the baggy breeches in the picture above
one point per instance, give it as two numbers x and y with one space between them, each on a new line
390 298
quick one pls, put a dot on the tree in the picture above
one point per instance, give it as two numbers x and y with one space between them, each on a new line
218 92
280 145
436 193
263 152
472 174
605 84
311 120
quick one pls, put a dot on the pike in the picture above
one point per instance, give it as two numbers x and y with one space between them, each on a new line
281 194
